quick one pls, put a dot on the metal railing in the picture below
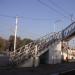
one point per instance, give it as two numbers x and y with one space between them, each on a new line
27 51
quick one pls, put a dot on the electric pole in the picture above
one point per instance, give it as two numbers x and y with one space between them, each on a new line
71 18
15 34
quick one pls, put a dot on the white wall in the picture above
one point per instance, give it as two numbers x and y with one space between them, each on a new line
55 53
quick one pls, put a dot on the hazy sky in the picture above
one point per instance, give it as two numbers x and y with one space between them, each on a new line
37 17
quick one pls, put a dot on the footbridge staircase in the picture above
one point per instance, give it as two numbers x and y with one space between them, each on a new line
34 49
38 47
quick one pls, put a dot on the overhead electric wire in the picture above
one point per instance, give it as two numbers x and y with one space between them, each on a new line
58 6
45 4
31 18
7 16
62 9
50 7
27 18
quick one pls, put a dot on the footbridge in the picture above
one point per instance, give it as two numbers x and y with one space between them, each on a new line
51 48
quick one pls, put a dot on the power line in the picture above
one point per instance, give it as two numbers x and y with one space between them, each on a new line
27 18
31 18
63 10
7 16
58 6
48 6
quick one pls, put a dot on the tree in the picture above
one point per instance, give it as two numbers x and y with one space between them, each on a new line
2 44
11 42
25 41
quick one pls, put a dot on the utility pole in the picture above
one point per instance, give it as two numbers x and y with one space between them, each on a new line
71 18
67 52
15 34
54 27
73 44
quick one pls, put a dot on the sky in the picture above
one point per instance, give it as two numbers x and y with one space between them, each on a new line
36 17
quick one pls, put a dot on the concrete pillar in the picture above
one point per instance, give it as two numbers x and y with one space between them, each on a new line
36 61
35 58
55 53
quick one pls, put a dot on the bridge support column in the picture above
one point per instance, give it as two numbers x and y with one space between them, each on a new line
36 63
35 58
55 53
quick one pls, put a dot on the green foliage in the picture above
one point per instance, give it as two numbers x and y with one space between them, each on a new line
2 44
9 44
25 41
19 42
